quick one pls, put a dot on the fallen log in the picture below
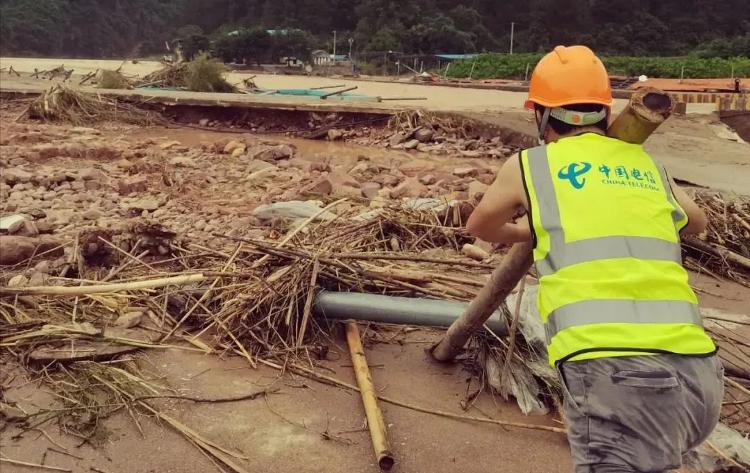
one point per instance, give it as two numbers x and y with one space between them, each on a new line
502 281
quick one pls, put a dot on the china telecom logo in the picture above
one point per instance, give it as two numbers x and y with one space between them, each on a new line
573 171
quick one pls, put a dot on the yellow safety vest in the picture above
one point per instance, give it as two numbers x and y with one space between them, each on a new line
607 252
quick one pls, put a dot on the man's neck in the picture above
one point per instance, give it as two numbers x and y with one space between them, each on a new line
578 132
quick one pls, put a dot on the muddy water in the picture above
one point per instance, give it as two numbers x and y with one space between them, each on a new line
320 150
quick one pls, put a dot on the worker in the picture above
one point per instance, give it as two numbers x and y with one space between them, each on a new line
641 380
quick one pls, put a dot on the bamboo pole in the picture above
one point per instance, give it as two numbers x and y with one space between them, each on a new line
325 96
101 288
369 398
648 108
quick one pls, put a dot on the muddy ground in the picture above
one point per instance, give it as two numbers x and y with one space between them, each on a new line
112 175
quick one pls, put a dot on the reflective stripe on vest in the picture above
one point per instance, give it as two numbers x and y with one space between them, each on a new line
612 311
563 254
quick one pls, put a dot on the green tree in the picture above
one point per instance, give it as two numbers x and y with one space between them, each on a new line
438 34
194 45
250 46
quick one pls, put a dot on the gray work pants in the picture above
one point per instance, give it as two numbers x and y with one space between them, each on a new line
639 413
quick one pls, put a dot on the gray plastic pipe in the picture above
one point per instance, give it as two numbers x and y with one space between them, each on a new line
397 310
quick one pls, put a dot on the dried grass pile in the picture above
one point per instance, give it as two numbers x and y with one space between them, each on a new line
62 104
107 79
203 74
171 75
255 299
724 248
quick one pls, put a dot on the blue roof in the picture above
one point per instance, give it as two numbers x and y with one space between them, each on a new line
453 57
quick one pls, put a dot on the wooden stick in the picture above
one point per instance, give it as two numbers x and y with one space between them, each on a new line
321 378
730 256
725 456
325 96
369 397
204 296
33 465
511 340
417 258
502 281
308 302
100 288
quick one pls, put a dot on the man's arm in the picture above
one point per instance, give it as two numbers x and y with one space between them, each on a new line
697 220
491 220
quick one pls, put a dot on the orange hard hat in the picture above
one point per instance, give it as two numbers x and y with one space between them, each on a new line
569 75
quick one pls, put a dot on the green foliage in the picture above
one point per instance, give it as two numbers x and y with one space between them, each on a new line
491 66
85 28
726 47
95 28
205 74
291 43
257 45
438 34
504 66
193 45
243 45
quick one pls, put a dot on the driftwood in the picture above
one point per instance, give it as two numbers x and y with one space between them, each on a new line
502 281
731 257
73 291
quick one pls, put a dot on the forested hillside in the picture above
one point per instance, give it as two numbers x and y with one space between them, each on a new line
109 28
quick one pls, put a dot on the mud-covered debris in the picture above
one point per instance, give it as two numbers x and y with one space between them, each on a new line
424 135
130 319
132 185
11 224
474 252
370 189
411 144
275 153
234 145
397 139
335 134
146 203
410 187
428 179
292 210
15 175
466 171
319 187
16 249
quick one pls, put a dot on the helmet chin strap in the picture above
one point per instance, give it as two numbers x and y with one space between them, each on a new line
543 124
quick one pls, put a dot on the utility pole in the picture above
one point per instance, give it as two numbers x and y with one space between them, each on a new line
512 30
334 46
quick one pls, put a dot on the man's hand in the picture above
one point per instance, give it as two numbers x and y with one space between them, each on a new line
492 219
697 220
